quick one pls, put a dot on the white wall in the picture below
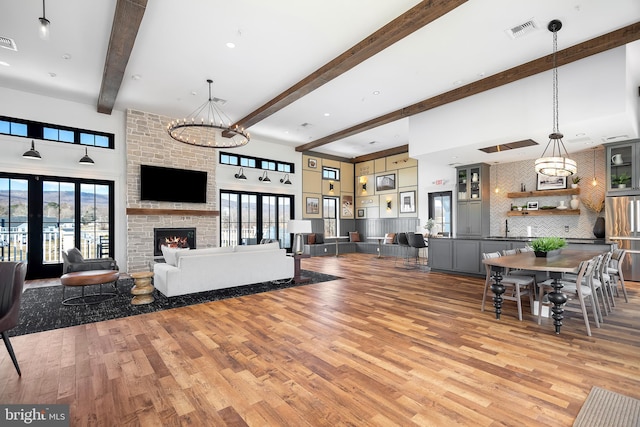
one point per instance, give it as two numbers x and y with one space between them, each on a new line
59 159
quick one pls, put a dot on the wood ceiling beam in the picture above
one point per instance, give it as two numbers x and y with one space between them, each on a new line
566 56
414 19
380 154
126 22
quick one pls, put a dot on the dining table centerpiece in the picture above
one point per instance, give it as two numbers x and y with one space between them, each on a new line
546 247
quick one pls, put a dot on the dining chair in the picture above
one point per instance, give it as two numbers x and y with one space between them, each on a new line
417 242
615 272
516 286
576 288
605 280
12 276
403 242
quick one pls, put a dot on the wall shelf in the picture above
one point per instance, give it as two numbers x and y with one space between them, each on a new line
543 193
184 212
542 212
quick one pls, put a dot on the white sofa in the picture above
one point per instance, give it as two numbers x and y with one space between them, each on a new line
189 271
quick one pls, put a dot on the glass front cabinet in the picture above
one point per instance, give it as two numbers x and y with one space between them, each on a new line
623 168
472 218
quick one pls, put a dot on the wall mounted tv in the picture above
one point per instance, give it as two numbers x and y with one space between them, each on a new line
172 185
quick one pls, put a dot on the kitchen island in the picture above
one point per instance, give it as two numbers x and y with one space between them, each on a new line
464 255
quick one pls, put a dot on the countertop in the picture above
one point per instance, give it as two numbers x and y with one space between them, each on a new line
574 240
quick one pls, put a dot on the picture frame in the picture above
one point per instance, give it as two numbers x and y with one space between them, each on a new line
386 182
545 182
407 201
347 206
313 205
532 206
360 213
313 163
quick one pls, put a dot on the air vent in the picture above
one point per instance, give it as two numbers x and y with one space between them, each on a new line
509 146
8 43
522 29
305 125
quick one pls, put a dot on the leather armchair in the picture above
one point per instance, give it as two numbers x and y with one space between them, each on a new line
72 260
12 276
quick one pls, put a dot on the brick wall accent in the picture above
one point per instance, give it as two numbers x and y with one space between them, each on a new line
148 143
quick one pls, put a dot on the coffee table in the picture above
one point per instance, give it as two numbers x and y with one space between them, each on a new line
88 278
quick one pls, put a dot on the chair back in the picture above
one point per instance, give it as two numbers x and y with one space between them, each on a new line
12 275
525 249
389 238
416 240
402 239
507 252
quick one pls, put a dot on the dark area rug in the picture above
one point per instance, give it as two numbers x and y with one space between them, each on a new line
41 309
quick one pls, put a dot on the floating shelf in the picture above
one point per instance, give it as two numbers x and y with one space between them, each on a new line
183 212
542 212
543 193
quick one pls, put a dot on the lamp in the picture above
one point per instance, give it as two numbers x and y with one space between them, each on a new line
557 163
264 177
297 227
285 179
43 30
497 189
209 131
32 153
86 160
240 174
595 181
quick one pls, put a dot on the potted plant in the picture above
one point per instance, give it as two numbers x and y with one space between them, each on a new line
620 180
547 246
575 180
429 225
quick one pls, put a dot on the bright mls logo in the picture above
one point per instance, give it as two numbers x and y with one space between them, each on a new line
37 415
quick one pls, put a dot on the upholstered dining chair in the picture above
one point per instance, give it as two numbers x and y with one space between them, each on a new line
403 243
417 242
516 286
12 276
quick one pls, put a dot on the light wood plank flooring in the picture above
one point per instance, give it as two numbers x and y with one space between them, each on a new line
383 346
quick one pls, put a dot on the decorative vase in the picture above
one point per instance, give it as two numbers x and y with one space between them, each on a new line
598 228
575 202
574 185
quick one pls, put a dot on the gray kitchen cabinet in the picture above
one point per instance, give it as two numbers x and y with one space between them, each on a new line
623 161
472 215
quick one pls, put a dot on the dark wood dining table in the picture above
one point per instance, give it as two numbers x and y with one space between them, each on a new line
567 261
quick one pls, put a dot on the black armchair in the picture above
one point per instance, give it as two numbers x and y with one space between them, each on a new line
12 276
72 260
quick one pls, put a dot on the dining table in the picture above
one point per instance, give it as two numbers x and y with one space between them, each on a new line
380 241
566 261
337 239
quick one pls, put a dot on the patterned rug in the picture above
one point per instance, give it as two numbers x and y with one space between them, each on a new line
41 308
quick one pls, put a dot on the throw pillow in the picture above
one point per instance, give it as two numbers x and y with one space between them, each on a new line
75 255
169 254
311 239
354 236
389 238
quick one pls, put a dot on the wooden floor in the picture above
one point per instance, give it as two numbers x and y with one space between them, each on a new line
383 346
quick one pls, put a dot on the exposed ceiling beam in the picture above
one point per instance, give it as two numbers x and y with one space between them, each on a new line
594 46
126 22
414 19
380 154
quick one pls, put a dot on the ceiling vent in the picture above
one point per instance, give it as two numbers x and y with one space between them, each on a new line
522 29
509 146
8 43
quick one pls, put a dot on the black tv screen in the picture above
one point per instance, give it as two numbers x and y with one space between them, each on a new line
172 185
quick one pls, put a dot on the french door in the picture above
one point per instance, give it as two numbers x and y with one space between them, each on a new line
42 216
247 218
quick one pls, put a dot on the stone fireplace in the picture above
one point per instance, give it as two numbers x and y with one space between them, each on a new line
174 238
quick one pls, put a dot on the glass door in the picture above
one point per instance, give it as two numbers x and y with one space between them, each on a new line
58 220
14 225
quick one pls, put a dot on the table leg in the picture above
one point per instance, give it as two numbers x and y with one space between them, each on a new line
557 298
498 289
337 247
379 248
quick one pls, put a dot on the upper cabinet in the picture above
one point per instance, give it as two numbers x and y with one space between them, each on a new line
472 218
623 168
473 182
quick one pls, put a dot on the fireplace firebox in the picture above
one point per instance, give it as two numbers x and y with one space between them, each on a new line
174 238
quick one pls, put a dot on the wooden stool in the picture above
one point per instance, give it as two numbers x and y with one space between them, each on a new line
142 288
87 278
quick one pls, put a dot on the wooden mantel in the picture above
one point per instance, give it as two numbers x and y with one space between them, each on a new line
185 212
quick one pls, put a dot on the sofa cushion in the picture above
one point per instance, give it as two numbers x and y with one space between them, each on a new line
256 248
311 239
75 255
354 236
169 254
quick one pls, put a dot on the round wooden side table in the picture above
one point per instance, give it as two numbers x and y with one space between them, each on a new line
142 289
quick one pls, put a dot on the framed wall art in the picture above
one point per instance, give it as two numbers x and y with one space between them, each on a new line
313 163
407 201
360 213
313 205
386 182
545 182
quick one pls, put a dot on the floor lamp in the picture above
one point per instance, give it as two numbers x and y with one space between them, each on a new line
298 227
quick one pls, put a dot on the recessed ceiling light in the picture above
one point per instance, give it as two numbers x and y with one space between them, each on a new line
376 92
327 114
66 56
4 64
231 45
52 74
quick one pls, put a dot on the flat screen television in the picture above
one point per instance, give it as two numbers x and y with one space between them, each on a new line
172 185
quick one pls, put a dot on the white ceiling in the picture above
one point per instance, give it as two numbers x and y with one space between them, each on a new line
180 44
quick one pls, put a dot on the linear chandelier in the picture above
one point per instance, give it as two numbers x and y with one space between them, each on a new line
557 163
206 128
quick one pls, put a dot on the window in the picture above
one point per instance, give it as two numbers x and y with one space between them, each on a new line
330 173
255 162
50 132
330 216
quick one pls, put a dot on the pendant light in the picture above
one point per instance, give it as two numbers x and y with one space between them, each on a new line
86 160
497 189
595 181
43 29
32 153
557 163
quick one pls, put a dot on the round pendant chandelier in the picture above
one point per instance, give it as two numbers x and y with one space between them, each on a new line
557 162
206 127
